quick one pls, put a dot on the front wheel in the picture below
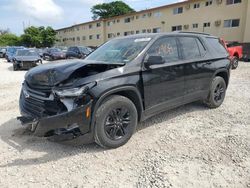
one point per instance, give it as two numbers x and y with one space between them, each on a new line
116 120
217 92
15 67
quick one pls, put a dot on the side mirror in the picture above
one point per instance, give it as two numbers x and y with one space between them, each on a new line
154 60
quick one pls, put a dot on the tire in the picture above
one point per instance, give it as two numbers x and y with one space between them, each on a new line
217 92
115 122
15 68
235 62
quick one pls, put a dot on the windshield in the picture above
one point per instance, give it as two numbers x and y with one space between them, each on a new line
26 53
119 50
84 50
55 50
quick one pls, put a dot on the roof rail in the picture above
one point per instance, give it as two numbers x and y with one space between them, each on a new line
192 32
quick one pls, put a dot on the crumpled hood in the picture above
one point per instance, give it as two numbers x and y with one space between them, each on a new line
54 73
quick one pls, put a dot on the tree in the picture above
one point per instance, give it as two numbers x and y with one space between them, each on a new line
9 39
39 37
108 10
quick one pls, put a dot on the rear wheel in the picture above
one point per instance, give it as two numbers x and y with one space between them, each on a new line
235 62
116 120
217 92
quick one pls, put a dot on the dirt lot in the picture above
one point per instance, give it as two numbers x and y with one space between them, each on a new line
191 146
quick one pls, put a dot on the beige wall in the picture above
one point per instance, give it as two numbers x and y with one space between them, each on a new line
164 19
247 25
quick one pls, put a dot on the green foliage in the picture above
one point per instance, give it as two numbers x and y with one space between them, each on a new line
108 10
38 37
9 39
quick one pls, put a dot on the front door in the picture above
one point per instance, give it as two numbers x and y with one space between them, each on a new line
163 83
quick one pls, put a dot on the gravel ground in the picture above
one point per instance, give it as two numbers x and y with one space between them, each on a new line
191 146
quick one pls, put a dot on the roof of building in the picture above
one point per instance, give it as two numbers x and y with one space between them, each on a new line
130 14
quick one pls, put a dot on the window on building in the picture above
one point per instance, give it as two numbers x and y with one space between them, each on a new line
77 28
177 28
190 47
83 38
144 15
195 25
110 35
149 30
137 32
178 10
127 20
165 47
208 3
90 26
157 14
230 2
232 23
118 34
78 38
156 30
98 24
207 24
108 23
137 17
90 37
118 21
149 14
196 5
144 31
97 36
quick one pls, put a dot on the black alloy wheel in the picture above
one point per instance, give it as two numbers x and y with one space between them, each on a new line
217 92
117 122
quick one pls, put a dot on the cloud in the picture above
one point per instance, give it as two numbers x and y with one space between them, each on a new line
92 2
46 11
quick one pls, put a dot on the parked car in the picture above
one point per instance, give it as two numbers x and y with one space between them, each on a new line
53 54
246 51
11 52
77 52
126 80
235 51
25 59
2 52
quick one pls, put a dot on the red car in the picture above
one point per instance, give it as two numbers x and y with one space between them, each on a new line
235 51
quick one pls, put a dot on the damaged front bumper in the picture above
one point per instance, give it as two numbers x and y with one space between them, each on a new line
75 122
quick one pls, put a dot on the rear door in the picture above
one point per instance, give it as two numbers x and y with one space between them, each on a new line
163 83
198 69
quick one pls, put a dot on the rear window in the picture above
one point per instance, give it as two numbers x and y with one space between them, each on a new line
217 46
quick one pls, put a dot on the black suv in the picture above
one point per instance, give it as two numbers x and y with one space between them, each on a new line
126 80
77 52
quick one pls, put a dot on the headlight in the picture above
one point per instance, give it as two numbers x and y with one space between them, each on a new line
74 92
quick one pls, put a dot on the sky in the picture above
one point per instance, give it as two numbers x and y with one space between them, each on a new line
18 14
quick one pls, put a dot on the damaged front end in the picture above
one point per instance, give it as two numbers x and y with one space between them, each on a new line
50 111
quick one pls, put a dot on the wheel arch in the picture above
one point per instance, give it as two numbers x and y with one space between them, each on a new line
224 74
131 92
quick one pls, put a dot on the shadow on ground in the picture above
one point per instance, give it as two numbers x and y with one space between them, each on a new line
21 140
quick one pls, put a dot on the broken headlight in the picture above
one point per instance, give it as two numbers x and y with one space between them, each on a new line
74 92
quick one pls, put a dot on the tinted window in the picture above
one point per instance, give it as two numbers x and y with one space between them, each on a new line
217 45
190 47
165 47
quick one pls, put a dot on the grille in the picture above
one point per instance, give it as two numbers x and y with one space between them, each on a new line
39 102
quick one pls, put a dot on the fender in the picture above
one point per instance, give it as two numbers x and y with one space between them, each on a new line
110 92
222 70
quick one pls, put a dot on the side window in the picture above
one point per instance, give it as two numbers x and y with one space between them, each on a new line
201 47
165 47
190 47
